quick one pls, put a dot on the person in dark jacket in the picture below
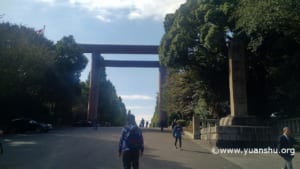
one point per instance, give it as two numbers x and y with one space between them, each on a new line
286 147
177 133
131 144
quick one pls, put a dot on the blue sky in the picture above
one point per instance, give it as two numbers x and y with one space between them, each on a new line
104 22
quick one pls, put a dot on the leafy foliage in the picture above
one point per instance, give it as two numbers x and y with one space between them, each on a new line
195 50
26 59
196 45
260 18
111 108
272 28
40 79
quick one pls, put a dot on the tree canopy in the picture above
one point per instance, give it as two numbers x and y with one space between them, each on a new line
195 50
40 79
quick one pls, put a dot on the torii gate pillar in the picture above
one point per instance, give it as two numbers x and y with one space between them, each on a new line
162 79
94 87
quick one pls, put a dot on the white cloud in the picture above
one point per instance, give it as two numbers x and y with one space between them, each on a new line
138 107
54 2
47 1
103 18
155 9
130 9
136 97
102 4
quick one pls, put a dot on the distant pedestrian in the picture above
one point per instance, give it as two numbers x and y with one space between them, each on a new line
147 123
95 125
142 124
161 125
286 148
177 134
131 144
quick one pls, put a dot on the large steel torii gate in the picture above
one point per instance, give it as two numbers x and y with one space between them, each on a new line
97 50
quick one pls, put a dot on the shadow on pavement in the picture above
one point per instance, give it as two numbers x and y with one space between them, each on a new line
73 148
152 160
194 151
157 130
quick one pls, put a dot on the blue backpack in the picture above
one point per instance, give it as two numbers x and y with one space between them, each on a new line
134 138
177 131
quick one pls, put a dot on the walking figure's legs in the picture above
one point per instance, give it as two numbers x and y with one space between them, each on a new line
126 160
180 142
288 164
176 139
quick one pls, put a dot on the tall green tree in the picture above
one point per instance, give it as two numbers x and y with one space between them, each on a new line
111 108
196 41
69 62
40 79
25 58
272 28
79 109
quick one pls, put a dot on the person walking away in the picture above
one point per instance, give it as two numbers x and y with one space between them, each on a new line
147 123
142 124
131 144
285 147
177 133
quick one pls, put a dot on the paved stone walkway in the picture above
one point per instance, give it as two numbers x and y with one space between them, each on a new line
85 148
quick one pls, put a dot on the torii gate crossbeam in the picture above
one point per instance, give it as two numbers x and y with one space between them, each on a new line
137 64
120 49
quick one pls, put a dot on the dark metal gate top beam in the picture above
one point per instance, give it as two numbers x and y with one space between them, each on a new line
137 64
119 49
